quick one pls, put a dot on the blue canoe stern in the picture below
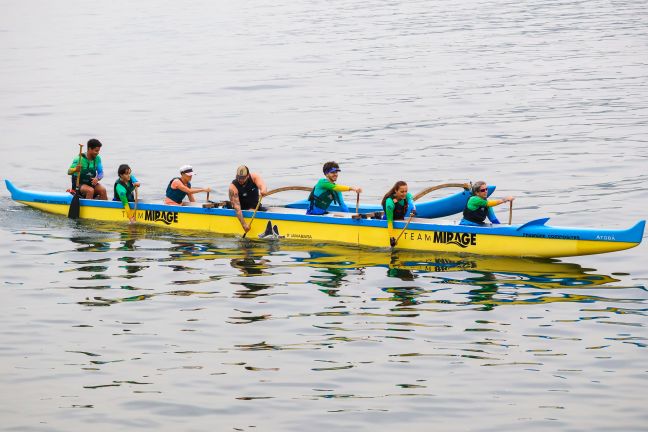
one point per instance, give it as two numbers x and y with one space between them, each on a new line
35 196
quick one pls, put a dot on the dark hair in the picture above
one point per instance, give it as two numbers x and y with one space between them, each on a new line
392 191
122 169
94 143
329 165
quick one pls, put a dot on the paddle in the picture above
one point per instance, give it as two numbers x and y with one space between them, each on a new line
135 207
358 203
289 188
441 186
510 212
403 230
254 215
75 204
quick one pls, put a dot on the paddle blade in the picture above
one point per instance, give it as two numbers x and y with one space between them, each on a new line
75 207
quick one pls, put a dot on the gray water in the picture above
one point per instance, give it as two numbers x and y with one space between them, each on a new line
114 327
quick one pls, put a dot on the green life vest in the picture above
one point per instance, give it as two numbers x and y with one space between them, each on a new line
88 171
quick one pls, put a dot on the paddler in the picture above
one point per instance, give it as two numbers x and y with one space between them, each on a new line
90 171
479 207
245 191
326 191
180 187
396 204
124 187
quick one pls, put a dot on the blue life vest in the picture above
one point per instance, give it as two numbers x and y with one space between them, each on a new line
176 195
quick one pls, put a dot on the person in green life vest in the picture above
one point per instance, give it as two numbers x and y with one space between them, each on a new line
91 172
397 203
479 207
124 187
326 191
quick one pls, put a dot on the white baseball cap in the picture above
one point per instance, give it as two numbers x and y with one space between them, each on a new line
187 169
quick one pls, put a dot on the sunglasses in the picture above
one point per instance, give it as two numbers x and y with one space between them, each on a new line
483 190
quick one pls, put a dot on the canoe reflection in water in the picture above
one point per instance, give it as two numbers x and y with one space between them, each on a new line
489 281
410 280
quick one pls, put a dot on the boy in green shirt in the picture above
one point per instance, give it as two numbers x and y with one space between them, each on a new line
326 191
90 171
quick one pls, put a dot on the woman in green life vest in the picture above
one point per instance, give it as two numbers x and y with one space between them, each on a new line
479 207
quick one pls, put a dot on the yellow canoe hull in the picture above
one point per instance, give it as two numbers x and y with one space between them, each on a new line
419 236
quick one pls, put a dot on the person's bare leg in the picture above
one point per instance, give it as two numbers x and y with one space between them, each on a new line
86 191
100 192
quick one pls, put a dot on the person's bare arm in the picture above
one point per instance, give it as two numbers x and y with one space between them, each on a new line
236 205
258 180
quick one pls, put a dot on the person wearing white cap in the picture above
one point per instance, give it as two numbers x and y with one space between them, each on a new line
180 187
244 193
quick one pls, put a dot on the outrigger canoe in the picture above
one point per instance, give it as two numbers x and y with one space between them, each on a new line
531 239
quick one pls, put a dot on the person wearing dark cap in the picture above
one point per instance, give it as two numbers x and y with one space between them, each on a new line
90 171
326 191
244 193
180 187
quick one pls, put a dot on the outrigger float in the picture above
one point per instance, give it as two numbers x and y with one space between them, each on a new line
531 239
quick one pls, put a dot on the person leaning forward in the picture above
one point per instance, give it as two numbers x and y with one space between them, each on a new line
326 191
180 187
124 187
397 203
244 193
479 207
90 171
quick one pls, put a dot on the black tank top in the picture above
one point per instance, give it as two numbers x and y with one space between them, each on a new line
248 193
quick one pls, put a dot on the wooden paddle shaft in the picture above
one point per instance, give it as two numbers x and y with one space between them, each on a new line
289 188
135 209
253 215
510 212
404 228
78 179
441 186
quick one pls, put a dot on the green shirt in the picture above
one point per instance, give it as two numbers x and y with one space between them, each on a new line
122 193
390 205
475 202
323 187
89 169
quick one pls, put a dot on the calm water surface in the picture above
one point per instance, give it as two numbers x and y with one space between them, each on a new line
113 327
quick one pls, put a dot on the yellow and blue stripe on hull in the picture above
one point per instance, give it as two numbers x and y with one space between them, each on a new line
420 236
